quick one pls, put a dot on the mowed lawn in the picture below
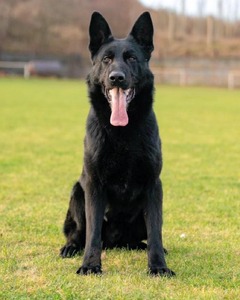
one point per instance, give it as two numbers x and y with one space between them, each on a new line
42 124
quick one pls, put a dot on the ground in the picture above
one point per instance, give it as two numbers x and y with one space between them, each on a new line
42 124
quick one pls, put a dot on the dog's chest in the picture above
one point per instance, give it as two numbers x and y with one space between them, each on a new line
117 160
122 167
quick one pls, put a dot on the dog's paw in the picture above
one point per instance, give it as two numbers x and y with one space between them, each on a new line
69 250
165 272
86 270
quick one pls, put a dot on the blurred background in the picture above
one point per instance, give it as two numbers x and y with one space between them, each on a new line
197 42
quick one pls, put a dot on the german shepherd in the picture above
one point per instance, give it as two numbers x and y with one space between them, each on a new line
117 201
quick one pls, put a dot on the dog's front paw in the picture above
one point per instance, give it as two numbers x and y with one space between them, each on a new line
69 250
158 271
86 270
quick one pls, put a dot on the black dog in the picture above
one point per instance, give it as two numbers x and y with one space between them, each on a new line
118 199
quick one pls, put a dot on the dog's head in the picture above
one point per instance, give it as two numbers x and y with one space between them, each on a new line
120 66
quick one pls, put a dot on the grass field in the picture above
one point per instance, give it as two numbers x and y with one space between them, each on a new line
42 125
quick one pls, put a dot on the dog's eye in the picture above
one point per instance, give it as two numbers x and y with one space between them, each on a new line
132 58
107 59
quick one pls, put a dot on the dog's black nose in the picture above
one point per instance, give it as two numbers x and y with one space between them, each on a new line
116 77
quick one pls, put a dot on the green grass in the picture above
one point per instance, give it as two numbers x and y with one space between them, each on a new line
42 124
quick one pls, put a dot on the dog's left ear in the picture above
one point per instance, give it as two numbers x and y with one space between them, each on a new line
142 32
99 32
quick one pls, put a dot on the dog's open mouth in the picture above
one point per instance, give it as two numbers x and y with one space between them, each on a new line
119 100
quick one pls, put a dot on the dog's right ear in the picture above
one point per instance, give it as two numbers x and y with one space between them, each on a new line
99 32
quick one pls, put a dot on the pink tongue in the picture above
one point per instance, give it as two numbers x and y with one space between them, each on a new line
119 115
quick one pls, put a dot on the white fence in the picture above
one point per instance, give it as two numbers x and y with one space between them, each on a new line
15 65
167 75
197 76
233 79
176 76
35 68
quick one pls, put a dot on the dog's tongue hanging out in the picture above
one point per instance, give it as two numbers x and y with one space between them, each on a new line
119 115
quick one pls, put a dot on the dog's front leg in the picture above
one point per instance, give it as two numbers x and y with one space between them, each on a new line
94 209
153 219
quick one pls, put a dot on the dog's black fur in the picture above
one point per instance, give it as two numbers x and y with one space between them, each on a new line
118 200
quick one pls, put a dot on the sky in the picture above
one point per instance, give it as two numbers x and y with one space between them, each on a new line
230 8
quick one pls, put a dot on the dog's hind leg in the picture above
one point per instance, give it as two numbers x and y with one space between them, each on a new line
75 223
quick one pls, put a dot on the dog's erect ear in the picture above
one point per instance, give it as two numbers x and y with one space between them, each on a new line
99 32
142 32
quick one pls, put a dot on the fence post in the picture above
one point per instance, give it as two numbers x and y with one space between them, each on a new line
183 77
26 71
